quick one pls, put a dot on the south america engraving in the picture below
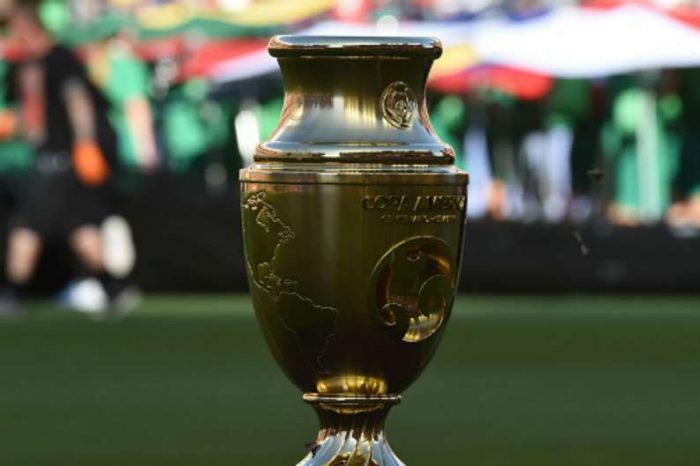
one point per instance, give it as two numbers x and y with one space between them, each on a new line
312 324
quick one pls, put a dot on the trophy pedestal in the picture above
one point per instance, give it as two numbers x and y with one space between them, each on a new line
352 431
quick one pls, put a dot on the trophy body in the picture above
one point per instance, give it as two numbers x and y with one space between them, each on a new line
353 219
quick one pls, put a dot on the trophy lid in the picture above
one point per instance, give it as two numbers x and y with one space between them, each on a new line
355 100
354 46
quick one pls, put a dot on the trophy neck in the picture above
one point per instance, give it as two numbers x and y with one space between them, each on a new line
352 430
355 100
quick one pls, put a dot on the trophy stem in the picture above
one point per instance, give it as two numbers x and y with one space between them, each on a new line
352 431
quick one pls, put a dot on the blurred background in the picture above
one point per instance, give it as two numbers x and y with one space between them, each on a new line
577 338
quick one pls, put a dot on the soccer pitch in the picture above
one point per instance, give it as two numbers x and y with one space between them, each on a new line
518 381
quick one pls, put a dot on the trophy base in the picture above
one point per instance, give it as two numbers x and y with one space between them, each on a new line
352 431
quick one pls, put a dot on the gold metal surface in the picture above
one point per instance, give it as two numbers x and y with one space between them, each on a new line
353 220
355 99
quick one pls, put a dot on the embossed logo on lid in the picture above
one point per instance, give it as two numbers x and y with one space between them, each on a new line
398 104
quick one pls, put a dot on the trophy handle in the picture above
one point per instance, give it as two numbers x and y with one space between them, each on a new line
352 431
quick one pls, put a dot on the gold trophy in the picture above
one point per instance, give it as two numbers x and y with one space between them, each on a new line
353 220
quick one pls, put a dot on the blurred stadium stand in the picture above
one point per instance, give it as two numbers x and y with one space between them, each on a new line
577 121
188 240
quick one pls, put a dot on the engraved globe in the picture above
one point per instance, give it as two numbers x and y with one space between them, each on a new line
353 217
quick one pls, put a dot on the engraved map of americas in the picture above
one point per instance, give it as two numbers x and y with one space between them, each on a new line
312 324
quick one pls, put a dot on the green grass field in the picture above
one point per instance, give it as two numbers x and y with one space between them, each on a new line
519 381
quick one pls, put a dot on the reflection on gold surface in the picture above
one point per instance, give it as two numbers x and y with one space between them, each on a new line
357 112
351 432
352 384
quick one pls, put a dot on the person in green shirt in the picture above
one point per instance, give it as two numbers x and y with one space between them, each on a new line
642 149
124 79
196 128
16 155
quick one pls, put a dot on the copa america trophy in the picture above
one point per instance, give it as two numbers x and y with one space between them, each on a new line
353 220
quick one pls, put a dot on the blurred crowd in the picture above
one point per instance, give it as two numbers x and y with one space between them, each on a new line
78 119
624 147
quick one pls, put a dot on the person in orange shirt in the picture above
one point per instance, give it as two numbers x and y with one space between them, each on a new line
64 117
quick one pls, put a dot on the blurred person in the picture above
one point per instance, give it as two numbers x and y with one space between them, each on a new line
449 119
549 150
509 122
587 110
642 150
124 80
685 211
476 156
63 116
196 129
16 155
465 131
547 154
